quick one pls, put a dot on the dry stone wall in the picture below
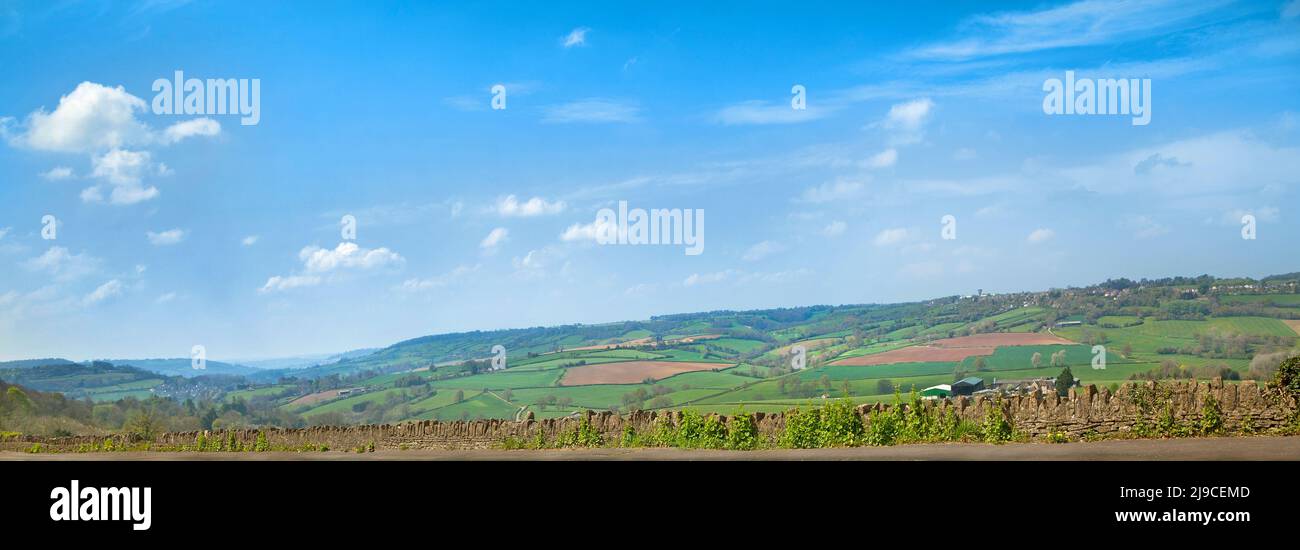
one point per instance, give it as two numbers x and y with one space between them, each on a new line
1087 410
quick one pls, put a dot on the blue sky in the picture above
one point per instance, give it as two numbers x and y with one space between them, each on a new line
228 236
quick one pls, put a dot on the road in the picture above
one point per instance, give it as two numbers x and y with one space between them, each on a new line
1223 448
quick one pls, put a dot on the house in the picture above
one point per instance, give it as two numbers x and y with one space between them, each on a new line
937 392
1024 385
967 386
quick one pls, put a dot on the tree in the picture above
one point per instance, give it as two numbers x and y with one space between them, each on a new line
460 396
1287 376
1127 351
1064 382
146 423
981 364
1037 359
884 386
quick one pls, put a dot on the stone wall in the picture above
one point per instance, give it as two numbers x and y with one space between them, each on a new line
1084 411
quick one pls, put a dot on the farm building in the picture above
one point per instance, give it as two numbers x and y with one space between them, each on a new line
1023 385
937 392
967 386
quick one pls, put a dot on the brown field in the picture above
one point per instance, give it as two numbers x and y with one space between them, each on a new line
955 349
1294 324
630 372
313 398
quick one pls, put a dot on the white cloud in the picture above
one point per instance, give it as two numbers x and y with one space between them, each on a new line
494 239
346 255
4 231
123 170
278 283
1081 23
439 281
906 121
576 37
63 265
706 278
189 128
170 236
535 263
91 118
103 292
319 261
94 118
592 110
762 250
58 173
834 229
1040 235
744 278
890 237
101 121
585 232
883 159
165 298
762 112
249 240
838 190
509 206
1225 162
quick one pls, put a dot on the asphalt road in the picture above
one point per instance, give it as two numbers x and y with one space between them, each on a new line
1221 448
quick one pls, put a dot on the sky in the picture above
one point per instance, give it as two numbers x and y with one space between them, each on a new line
172 230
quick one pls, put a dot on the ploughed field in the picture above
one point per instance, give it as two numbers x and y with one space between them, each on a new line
629 372
955 349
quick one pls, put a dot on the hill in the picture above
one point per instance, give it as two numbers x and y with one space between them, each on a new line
1108 333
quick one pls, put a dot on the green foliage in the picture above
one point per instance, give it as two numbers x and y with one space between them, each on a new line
696 431
1064 382
801 429
1211 421
997 426
1054 436
629 437
1287 377
839 425
742 432
583 435
261 445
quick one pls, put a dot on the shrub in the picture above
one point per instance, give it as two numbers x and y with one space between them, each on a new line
742 432
699 432
629 437
997 427
801 429
261 445
840 425
1211 421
